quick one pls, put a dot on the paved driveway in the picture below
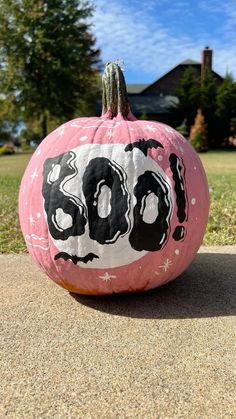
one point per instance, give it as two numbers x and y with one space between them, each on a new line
168 353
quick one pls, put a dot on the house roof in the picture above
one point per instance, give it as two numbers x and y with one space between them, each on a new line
133 88
146 104
137 88
189 62
186 62
143 100
151 104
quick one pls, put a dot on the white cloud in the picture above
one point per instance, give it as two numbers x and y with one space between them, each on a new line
132 33
224 59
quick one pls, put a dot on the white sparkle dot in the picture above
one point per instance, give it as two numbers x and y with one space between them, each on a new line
195 168
31 220
169 130
150 127
84 138
193 201
38 215
160 158
177 251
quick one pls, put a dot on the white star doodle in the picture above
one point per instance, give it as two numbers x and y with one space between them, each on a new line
34 175
110 133
60 130
107 277
167 129
38 152
166 265
31 220
150 128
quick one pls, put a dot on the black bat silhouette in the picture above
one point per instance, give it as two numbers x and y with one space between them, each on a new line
74 258
144 145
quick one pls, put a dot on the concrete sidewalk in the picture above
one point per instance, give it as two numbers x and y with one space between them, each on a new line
168 353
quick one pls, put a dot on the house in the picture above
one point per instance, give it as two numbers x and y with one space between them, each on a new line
155 99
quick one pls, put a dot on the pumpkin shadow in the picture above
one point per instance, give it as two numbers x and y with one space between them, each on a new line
206 289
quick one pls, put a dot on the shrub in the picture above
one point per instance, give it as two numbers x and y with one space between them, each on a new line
143 116
198 133
7 149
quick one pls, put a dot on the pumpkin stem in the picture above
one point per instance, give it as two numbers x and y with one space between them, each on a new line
114 93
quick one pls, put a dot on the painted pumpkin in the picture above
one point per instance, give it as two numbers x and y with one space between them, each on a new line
113 204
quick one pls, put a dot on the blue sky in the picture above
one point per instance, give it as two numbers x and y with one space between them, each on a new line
151 37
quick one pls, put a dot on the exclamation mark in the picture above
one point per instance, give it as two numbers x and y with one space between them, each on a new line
178 171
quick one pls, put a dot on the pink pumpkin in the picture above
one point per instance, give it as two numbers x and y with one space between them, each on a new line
113 204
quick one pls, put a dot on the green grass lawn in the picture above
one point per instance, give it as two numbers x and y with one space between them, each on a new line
220 167
11 171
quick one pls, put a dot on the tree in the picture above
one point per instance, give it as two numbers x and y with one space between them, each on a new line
226 105
48 58
198 134
208 93
188 95
8 126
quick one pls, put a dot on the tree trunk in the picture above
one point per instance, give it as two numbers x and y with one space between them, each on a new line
44 126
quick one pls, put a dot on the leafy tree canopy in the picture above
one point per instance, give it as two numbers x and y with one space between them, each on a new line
226 98
48 57
217 104
188 95
208 92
